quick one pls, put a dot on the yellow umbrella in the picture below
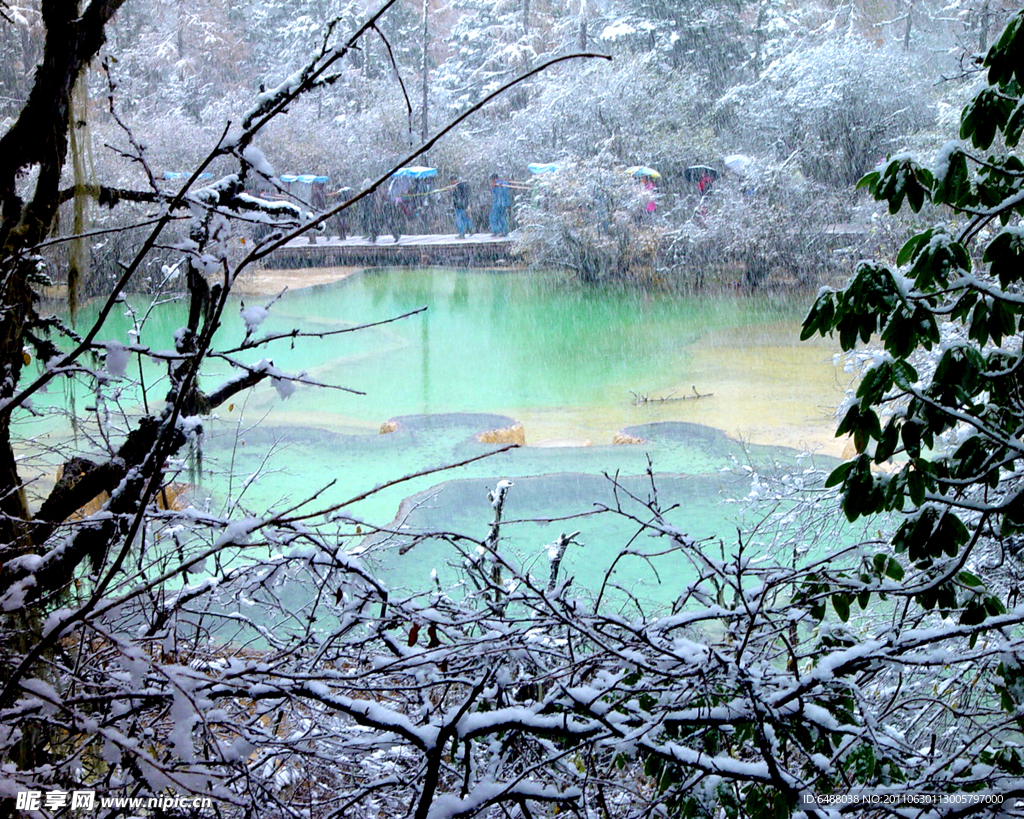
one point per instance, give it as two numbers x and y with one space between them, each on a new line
643 170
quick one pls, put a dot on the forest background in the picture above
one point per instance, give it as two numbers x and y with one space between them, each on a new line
816 94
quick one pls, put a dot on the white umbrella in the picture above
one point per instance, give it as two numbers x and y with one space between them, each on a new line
739 164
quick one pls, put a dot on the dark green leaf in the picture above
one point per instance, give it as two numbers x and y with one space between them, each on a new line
841 603
972 615
916 486
984 116
1003 59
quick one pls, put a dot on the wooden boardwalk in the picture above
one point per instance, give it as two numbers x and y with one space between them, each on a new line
430 249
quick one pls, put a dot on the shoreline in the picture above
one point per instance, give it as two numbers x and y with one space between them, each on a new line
271 281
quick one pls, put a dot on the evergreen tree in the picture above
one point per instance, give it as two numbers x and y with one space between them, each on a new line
937 419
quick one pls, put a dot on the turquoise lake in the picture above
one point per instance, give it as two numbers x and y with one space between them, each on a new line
495 349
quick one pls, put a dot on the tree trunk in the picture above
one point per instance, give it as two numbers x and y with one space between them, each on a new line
986 19
586 12
424 118
759 39
38 137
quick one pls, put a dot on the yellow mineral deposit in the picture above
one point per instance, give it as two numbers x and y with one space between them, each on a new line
514 434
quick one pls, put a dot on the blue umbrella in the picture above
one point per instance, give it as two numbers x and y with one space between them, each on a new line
304 178
415 172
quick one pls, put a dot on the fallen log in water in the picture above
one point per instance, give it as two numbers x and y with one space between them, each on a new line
643 398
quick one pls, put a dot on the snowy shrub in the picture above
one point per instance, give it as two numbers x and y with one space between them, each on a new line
593 220
767 228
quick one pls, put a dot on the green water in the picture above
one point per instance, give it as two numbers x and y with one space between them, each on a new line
560 359
497 348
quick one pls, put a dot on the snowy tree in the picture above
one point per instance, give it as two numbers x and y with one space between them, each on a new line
765 226
941 396
49 556
488 44
628 112
835 106
709 38
126 647
597 221
20 47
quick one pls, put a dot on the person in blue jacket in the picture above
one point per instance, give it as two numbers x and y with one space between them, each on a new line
501 200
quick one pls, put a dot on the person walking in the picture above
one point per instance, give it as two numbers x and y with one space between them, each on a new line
371 212
339 223
460 203
501 199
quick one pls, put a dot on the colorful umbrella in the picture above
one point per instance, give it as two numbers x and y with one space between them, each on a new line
643 170
302 178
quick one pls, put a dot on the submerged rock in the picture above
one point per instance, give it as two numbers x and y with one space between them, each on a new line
514 434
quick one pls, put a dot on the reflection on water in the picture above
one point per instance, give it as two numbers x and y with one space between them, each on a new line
564 360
